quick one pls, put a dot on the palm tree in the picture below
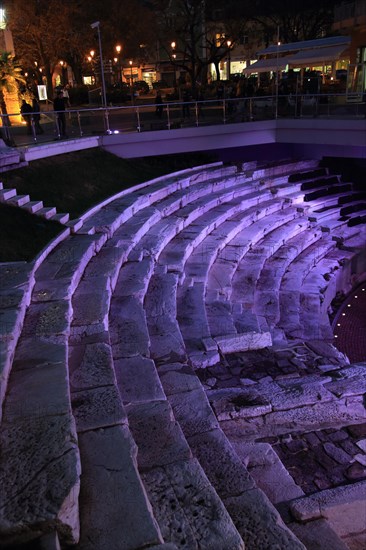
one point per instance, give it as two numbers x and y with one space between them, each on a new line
10 78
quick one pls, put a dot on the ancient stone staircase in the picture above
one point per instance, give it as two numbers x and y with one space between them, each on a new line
10 197
111 437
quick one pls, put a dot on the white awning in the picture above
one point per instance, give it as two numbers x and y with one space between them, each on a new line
267 65
317 56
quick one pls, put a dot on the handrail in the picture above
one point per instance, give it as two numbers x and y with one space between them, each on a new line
175 114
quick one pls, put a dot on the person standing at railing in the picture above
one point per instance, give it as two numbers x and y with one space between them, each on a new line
26 111
37 116
59 106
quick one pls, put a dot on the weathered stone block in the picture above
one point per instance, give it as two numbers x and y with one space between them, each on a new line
188 509
157 434
115 512
138 380
39 479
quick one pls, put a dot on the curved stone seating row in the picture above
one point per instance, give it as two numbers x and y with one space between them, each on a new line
95 350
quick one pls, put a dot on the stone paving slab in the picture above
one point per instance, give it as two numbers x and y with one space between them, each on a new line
243 342
44 390
39 477
158 435
115 512
259 523
16 275
234 403
166 342
188 510
134 278
321 504
177 378
267 470
128 329
193 412
221 464
97 408
90 365
138 380
48 321
317 535
90 304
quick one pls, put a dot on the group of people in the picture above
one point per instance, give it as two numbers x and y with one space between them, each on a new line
31 114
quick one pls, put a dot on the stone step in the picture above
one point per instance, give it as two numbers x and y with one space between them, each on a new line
47 212
61 218
75 225
6 194
19 200
33 206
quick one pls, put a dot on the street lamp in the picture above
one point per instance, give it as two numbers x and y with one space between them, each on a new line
96 25
119 71
228 43
131 80
174 56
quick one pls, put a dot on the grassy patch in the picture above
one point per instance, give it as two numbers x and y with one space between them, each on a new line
77 181
73 183
24 235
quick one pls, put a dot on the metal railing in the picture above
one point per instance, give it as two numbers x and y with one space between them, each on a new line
142 117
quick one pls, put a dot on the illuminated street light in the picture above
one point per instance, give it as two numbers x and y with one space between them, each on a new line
131 80
119 69
228 43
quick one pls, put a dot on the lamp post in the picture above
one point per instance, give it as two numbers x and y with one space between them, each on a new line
131 80
96 25
119 72
228 43
174 56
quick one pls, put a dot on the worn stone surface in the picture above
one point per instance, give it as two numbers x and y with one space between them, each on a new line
238 403
138 380
259 523
177 378
47 321
221 464
193 412
37 392
157 434
115 512
97 408
317 535
134 278
91 366
321 504
243 342
15 275
51 290
267 470
39 478
188 510
128 330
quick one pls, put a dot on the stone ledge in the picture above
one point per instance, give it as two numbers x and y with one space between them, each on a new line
320 504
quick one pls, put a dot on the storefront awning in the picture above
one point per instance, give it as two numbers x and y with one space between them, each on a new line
316 56
266 65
